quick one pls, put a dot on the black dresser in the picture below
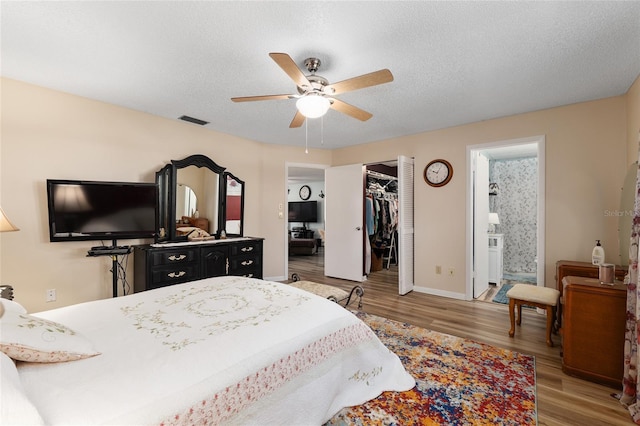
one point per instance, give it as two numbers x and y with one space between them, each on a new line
162 265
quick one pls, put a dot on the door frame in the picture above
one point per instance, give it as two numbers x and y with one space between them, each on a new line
285 207
540 232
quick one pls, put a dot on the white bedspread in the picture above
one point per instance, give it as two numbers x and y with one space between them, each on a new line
226 350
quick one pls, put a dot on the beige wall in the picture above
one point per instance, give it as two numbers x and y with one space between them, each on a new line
52 135
48 134
585 168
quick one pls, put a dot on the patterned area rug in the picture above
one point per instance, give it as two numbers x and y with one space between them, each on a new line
458 382
501 295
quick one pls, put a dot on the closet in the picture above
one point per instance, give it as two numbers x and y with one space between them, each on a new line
381 217
347 252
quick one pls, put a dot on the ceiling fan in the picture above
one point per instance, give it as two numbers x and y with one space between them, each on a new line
315 94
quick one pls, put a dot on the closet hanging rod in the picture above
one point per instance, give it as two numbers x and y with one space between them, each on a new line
380 175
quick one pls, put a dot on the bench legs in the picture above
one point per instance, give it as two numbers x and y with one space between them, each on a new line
517 304
512 317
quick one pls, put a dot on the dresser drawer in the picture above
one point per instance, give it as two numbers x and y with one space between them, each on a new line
246 248
167 275
173 257
247 266
159 266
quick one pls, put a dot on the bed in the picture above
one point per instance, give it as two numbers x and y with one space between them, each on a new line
227 350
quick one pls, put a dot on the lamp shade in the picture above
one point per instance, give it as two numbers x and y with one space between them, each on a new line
5 223
313 105
494 219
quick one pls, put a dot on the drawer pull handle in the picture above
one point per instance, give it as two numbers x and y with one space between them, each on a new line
247 262
173 257
247 249
178 275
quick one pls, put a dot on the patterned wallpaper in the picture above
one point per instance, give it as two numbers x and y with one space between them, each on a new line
516 205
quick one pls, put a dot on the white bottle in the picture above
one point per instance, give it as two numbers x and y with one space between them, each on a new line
597 256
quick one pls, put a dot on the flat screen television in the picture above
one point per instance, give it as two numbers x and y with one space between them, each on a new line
303 211
90 210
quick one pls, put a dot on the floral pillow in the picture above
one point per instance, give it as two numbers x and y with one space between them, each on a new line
28 338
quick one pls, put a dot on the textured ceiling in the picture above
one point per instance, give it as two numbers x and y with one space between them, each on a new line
453 62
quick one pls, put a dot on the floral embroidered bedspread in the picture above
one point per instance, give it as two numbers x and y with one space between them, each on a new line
227 350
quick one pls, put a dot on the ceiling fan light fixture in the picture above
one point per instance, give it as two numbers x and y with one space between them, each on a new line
313 105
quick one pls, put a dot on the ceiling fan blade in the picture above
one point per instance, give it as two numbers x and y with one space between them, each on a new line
297 121
289 66
350 110
365 80
260 98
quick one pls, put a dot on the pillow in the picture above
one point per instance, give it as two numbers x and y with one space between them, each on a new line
193 232
28 338
11 306
15 407
184 230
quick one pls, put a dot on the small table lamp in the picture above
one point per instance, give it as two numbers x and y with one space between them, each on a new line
493 221
6 291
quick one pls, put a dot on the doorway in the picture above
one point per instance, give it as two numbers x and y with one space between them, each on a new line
305 190
505 213
347 238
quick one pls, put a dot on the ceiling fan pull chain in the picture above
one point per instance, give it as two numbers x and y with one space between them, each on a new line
306 136
322 130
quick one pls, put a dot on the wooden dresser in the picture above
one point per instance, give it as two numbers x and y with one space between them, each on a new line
565 268
158 266
593 330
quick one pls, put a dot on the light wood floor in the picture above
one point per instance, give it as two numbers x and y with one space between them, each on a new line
562 399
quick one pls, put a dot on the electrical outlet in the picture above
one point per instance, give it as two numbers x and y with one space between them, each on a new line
51 295
452 272
280 215
438 269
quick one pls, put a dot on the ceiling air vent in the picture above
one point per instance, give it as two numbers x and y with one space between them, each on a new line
193 120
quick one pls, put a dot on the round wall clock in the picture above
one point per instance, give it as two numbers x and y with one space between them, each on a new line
305 192
438 173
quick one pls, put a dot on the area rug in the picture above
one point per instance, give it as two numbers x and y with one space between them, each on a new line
521 278
501 295
458 382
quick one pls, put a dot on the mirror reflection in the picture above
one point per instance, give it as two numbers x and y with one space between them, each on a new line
186 201
626 213
204 185
234 206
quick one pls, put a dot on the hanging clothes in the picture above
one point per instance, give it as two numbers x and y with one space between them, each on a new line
381 218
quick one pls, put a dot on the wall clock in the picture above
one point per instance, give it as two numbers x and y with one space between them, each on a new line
305 192
438 173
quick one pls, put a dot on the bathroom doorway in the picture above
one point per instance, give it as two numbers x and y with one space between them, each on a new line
505 244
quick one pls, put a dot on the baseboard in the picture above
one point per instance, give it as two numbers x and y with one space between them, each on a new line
442 293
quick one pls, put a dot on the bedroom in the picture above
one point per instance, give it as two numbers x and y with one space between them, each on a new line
50 133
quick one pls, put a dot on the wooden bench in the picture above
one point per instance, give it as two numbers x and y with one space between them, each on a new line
332 293
532 295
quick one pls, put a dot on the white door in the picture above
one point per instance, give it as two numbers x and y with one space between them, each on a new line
344 222
405 225
480 225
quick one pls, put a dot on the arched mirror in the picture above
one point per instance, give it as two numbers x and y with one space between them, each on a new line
189 189
186 201
626 213
193 192
233 205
